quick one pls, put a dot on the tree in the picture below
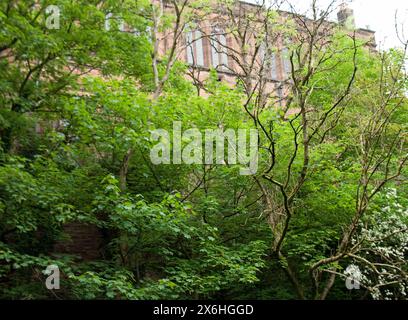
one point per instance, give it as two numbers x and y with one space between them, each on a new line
79 103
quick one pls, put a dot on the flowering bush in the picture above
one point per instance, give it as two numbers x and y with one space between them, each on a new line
382 249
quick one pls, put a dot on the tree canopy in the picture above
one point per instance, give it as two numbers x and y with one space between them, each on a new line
78 105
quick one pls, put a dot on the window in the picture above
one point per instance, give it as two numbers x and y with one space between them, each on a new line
279 93
195 51
269 61
287 66
219 58
274 67
109 18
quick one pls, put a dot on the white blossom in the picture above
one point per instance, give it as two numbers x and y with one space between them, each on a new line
384 249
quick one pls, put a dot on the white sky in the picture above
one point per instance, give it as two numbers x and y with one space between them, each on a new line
377 15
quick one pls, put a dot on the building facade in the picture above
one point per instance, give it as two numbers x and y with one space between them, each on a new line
213 41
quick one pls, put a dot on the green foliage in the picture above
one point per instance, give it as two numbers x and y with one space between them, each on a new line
76 113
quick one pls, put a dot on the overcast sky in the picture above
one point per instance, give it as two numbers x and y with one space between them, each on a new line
377 15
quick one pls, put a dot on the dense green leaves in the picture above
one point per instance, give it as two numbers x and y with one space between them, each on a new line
76 116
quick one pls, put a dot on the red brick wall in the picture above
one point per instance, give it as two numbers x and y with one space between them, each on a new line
84 240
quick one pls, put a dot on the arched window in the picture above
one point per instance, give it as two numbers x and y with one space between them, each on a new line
286 56
195 51
269 60
219 57
286 63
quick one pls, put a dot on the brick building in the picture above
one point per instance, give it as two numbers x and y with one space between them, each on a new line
210 44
